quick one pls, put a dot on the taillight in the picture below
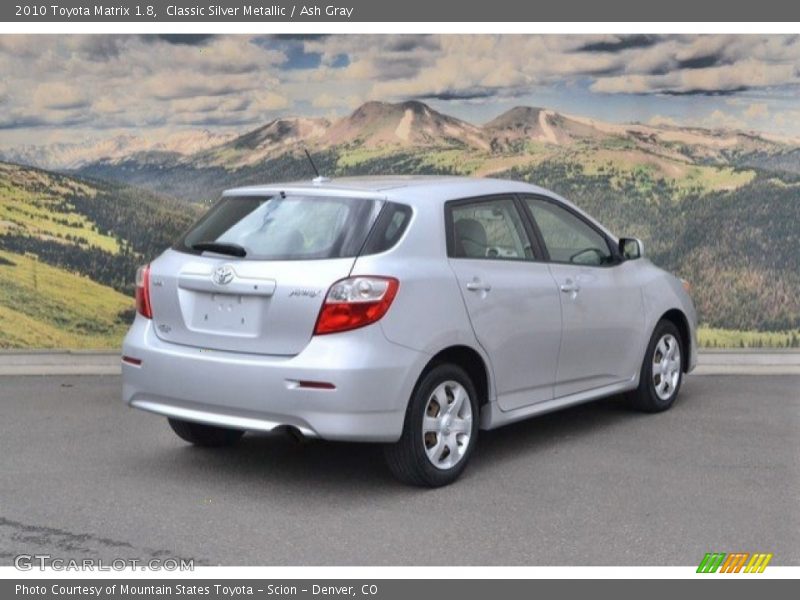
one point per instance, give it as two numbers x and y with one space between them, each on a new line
355 302
143 306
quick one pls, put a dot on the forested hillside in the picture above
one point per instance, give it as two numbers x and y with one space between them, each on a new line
720 208
740 249
69 249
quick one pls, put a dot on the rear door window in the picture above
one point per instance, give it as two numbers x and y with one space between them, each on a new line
488 229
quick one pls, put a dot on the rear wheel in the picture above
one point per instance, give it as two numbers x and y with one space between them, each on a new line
440 429
208 436
662 370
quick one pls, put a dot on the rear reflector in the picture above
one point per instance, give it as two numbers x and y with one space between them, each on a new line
316 385
132 361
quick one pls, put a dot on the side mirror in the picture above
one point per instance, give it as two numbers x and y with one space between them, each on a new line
631 248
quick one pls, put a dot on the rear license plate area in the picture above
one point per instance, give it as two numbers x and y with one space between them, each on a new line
227 314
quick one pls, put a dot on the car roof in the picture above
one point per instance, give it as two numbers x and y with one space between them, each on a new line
415 190
409 189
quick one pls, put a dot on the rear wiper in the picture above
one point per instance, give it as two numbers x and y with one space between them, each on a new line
220 248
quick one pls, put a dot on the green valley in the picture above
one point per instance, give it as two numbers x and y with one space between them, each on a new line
69 248
46 307
720 208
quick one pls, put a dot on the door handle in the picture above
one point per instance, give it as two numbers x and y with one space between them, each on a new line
570 287
478 286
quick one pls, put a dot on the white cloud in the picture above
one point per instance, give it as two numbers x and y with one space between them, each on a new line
742 75
662 121
186 84
757 110
624 84
106 105
206 104
788 119
723 120
59 96
127 81
327 100
711 80
269 101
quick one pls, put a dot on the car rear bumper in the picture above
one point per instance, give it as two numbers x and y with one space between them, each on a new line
373 381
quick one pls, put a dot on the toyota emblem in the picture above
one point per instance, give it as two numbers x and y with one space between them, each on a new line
222 275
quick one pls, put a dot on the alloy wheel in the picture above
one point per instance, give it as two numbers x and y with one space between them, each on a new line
447 425
666 366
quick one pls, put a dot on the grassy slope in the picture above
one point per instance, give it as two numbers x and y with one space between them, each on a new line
34 202
46 307
68 251
617 163
650 181
43 306
710 337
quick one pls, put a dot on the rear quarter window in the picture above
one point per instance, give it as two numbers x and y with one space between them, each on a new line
389 228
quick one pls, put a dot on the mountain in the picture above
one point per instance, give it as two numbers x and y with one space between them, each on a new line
69 248
407 124
520 134
413 137
372 126
274 138
66 156
787 160
718 207
521 123
531 124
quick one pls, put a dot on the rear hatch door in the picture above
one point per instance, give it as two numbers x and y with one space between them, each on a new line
268 301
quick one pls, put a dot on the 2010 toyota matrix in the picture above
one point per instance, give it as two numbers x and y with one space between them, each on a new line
407 311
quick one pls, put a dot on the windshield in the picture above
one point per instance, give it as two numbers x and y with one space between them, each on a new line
285 228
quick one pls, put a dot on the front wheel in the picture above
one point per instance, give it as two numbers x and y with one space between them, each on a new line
440 429
208 436
662 370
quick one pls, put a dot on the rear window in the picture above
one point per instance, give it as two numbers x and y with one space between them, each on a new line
286 227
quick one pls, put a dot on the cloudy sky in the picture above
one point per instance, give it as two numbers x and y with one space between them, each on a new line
75 87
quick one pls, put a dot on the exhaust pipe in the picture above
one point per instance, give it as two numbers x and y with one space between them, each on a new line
296 435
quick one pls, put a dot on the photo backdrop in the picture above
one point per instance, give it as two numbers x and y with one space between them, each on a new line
111 145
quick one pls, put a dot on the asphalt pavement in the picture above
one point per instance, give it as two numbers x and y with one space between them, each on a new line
85 476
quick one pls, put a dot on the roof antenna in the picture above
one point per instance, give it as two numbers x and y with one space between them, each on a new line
319 178
311 160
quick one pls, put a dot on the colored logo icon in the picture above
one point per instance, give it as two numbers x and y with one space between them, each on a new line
736 562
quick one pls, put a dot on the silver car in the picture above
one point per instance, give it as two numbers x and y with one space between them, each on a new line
407 311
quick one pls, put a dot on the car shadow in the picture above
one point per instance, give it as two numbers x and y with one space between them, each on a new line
534 435
286 465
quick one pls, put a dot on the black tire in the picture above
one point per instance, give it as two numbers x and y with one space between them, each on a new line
208 436
645 398
407 458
